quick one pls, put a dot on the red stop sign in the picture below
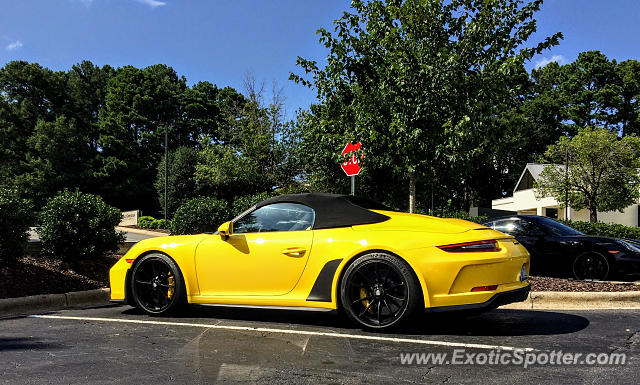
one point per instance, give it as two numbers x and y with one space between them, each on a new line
352 158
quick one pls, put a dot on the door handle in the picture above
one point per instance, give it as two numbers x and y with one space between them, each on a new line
294 251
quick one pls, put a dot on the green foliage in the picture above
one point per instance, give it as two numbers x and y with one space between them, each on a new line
181 183
602 175
612 230
199 215
227 173
15 217
159 224
146 222
76 226
461 215
419 83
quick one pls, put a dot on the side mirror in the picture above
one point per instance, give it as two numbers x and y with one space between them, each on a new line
225 230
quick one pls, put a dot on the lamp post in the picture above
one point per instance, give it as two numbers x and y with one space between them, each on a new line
166 173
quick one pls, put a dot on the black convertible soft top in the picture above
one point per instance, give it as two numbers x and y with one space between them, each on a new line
333 210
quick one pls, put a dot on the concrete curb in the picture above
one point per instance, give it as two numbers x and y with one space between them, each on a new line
561 300
141 231
51 302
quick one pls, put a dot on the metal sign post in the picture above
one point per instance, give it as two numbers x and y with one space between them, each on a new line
352 156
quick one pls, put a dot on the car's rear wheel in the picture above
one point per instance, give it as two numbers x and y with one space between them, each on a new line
157 285
591 265
379 291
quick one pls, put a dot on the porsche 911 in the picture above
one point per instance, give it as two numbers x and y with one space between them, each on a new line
328 252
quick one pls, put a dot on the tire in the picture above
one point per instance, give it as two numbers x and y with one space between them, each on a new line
379 291
157 285
591 265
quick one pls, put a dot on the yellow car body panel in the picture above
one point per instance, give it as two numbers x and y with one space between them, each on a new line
290 269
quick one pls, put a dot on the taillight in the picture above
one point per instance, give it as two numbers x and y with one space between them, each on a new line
470 247
485 288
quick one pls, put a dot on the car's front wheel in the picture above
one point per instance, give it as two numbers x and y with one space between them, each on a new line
379 291
591 265
157 285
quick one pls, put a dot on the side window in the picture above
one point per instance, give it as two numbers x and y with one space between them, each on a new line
276 217
509 226
517 227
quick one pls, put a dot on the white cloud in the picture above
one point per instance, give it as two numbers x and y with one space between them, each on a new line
13 45
555 58
152 3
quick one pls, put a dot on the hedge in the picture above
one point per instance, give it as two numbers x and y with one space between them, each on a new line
147 222
612 230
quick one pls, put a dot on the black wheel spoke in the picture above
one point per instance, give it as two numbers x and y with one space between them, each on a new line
395 285
398 303
362 299
368 282
366 309
391 313
394 297
143 282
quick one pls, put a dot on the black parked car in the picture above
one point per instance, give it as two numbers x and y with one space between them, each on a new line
559 249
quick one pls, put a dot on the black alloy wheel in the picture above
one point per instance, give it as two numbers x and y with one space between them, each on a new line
591 265
157 285
379 291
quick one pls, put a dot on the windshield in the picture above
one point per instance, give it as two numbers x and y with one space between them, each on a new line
557 228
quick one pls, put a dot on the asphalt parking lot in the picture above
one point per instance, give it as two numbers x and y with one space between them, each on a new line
117 344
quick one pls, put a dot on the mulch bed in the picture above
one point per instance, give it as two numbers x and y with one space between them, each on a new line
39 275
562 284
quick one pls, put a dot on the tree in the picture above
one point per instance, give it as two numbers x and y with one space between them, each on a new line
590 87
420 82
628 109
602 173
181 183
140 105
28 94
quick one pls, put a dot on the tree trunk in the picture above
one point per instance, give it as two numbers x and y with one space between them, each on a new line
412 193
593 213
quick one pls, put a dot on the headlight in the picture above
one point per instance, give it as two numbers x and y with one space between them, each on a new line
629 246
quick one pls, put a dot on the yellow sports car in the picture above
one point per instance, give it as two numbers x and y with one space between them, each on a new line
326 252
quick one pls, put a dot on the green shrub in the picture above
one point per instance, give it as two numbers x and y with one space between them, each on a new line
240 204
461 215
199 215
158 224
15 217
612 230
75 226
146 222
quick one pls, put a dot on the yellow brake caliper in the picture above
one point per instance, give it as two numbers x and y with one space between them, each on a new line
171 286
365 302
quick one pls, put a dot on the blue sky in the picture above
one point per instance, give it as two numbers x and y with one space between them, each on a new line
221 40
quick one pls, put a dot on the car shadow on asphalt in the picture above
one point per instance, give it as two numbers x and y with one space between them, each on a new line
28 343
499 322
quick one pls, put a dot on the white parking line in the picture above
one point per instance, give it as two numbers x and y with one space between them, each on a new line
289 331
